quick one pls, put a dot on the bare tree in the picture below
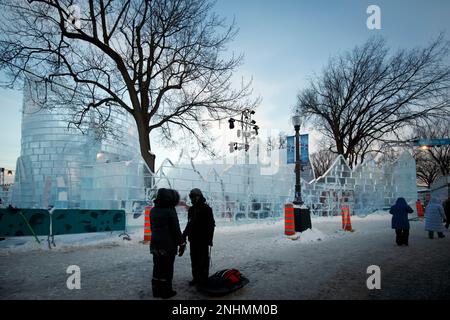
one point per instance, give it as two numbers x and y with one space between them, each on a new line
160 60
322 161
426 168
282 143
276 142
440 155
270 144
367 94
387 154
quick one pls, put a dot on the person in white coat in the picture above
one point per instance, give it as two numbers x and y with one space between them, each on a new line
434 217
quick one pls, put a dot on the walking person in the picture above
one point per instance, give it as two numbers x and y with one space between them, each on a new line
167 240
446 206
400 222
434 217
199 231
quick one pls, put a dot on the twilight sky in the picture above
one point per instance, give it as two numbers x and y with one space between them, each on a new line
284 42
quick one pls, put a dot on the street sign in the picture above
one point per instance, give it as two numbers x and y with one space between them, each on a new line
304 149
432 142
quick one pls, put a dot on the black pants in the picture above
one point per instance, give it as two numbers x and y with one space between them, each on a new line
431 234
200 262
163 266
402 236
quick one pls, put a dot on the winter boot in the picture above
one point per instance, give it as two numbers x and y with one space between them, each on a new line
430 234
167 291
156 288
441 235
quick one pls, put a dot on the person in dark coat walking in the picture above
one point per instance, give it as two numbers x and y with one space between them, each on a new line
400 220
166 238
446 206
199 231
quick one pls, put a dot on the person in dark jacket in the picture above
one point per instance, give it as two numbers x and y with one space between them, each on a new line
446 206
400 220
166 238
199 231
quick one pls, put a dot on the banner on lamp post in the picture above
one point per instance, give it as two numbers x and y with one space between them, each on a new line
304 149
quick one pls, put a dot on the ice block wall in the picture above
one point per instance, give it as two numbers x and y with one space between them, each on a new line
53 155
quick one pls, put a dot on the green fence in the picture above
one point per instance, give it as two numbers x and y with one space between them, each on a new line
84 221
23 222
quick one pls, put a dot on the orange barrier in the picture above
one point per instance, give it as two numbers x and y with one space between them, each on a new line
346 223
419 209
147 226
289 222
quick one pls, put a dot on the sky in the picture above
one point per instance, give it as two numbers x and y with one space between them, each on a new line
284 43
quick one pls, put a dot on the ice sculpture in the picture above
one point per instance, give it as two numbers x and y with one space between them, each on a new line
55 159
238 190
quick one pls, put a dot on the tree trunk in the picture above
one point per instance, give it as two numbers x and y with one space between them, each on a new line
144 143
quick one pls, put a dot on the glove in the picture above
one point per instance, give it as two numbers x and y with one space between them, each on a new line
181 249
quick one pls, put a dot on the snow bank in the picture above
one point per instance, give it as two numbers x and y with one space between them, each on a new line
312 235
329 227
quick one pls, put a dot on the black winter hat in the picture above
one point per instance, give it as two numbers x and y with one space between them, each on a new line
195 192
167 198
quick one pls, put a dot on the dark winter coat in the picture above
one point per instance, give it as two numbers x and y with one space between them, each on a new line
164 224
200 227
399 213
446 206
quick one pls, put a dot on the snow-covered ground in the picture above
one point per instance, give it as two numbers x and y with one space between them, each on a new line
322 263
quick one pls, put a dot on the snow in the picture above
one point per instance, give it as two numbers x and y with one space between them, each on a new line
278 267
64 242
70 242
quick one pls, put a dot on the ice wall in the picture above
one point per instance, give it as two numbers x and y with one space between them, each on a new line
245 190
54 157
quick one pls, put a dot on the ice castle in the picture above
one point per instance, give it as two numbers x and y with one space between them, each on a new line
260 189
62 167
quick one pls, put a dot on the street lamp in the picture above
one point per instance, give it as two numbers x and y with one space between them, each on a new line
297 122
302 217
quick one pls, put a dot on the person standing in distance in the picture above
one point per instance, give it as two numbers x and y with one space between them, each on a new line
199 231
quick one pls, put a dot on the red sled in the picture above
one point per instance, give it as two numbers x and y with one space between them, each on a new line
224 282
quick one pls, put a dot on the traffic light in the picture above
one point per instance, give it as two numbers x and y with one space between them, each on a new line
231 121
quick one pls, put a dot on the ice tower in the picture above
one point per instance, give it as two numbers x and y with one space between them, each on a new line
58 165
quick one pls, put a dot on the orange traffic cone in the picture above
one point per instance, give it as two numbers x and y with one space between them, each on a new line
346 222
289 223
147 226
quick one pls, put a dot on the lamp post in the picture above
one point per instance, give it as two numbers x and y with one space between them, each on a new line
297 122
302 215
